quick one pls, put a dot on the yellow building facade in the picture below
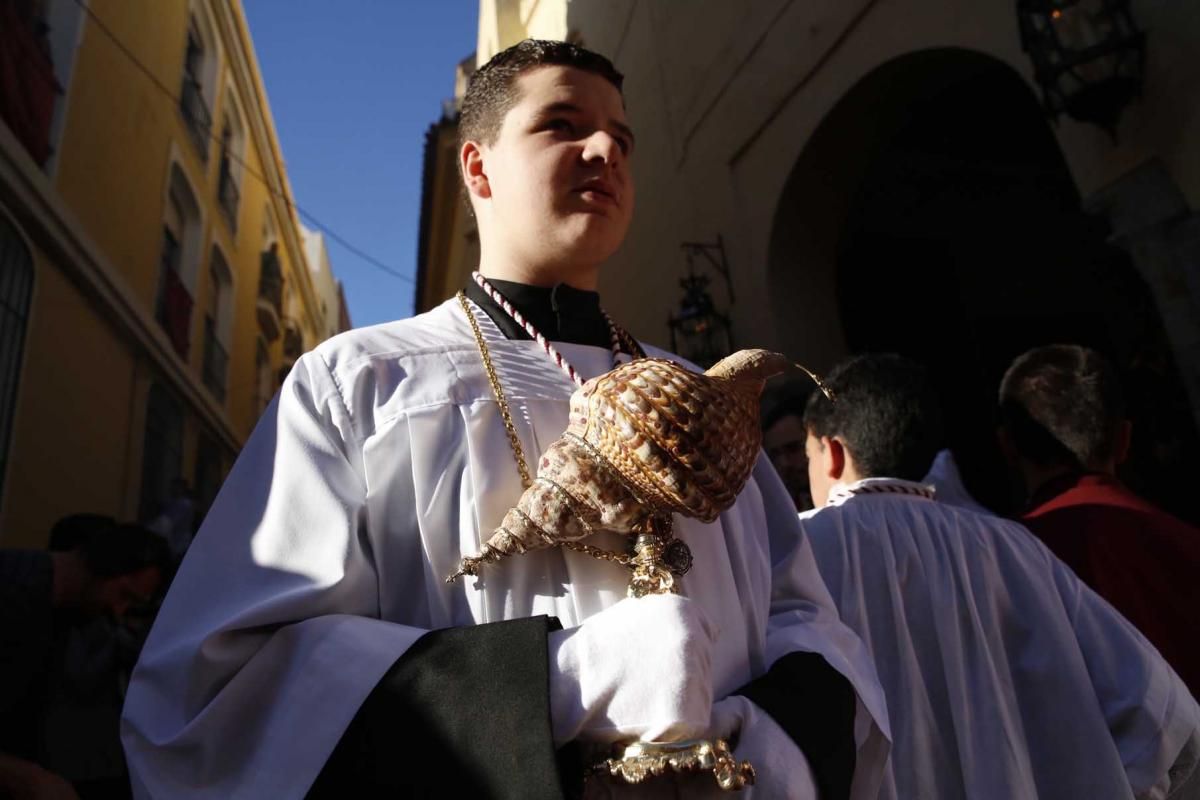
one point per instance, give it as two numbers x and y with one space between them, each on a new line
153 280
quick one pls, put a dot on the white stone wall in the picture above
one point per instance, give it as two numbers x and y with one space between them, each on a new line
317 256
724 97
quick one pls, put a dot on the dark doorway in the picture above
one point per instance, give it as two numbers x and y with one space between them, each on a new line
964 245
931 213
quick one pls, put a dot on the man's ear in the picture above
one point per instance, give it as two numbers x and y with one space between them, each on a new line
470 161
835 457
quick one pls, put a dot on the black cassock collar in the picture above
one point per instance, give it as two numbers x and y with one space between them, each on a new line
561 313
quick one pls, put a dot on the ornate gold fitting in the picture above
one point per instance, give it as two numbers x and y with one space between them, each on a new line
640 760
658 558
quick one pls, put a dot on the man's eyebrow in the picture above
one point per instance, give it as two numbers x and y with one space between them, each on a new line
563 106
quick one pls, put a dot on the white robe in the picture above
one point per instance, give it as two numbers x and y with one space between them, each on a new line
383 461
946 480
1006 677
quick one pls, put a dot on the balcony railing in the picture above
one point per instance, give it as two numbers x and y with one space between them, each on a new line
270 295
28 89
293 342
196 114
174 307
228 194
216 360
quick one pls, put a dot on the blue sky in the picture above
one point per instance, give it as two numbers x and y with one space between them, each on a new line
353 85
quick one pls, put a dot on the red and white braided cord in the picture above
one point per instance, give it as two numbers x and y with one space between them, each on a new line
556 356
880 486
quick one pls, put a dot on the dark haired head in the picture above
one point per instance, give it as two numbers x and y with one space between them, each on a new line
124 549
73 530
1061 405
492 90
886 414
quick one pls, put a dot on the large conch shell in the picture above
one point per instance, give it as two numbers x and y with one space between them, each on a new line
648 438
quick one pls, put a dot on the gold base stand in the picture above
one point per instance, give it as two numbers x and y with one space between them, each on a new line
657 558
641 760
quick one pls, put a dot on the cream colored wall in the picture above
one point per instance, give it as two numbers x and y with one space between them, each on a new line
503 23
724 97
317 256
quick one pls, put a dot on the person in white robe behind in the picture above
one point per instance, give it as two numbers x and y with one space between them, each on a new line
948 485
1005 675
310 643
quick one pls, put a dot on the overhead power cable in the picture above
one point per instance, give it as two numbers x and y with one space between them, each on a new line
313 220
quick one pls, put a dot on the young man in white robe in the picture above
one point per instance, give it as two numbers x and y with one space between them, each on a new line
310 643
1005 675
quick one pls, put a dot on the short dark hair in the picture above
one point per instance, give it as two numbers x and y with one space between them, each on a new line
886 412
74 529
492 90
124 549
1062 405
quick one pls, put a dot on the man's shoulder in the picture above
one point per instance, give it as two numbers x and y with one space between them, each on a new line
433 331
381 370
884 513
1100 504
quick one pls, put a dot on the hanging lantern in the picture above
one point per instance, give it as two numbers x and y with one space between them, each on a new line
699 332
1087 55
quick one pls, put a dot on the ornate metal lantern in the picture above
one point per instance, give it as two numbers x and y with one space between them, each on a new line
1087 56
699 332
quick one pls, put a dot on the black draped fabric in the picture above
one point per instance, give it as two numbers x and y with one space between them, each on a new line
465 712
26 642
561 313
815 705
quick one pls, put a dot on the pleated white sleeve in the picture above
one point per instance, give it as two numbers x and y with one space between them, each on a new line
1150 713
804 618
269 639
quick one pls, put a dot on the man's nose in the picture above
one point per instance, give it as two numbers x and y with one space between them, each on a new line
602 146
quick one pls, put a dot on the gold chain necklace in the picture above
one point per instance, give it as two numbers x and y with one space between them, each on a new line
514 441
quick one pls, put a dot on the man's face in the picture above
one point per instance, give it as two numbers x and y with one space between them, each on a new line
558 180
784 443
819 479
114 596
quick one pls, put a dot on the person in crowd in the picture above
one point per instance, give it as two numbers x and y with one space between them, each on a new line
1005 675
176 522
783 440
310 644
43 594
948 484
1064 430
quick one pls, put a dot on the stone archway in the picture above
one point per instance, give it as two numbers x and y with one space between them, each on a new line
932 214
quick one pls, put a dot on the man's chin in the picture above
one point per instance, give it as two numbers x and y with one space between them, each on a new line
589 243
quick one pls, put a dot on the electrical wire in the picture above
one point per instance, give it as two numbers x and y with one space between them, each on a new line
162 87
